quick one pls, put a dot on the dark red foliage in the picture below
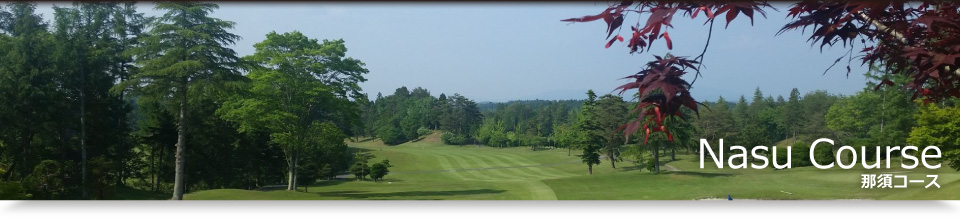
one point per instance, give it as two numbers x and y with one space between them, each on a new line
920 39
658 16
663 93
661 90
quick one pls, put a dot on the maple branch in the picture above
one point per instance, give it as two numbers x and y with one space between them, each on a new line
882 27
893 33
700 58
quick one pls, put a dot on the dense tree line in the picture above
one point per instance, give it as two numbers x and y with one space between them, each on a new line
103 97
409 115
870 117
525 123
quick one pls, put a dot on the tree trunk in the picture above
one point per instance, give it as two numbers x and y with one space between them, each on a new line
181 144
121 175
153 169
290 174
656 160
156 170
24 144
9 174
568 151
23 156
613 161
673 153
296 160
83 138
589 168
63 150
186 187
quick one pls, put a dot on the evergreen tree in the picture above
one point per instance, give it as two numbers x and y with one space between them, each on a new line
184 55
791 115
91 39
589 135
31 98
610 112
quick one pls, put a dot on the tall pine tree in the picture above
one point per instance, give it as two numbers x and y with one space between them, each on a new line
184 55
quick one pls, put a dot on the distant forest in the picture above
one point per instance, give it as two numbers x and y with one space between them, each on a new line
870 117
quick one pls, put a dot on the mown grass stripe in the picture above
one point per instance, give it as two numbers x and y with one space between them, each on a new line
496 170
464 165
559 174
541 191
447 166
517 168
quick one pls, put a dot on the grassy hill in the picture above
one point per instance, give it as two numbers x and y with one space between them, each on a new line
427 169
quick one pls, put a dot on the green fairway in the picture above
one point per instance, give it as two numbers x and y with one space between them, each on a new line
430 170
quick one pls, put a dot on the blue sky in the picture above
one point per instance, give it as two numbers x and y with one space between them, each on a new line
511 51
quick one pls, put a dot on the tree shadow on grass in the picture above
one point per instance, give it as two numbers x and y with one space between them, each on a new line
632 168
128 193
352 194
353 150
332 182
700 174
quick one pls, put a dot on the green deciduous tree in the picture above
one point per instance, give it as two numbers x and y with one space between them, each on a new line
871 116
938 126
390 135
563 137
453 138
297 84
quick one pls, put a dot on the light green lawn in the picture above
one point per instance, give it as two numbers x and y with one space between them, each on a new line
429 170
794 183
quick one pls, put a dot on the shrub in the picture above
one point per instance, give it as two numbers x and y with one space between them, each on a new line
800 154
953 158
650 165
453 139
781 156
13 191
824 155
379 170
102 177
424 131
390 135
45 182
